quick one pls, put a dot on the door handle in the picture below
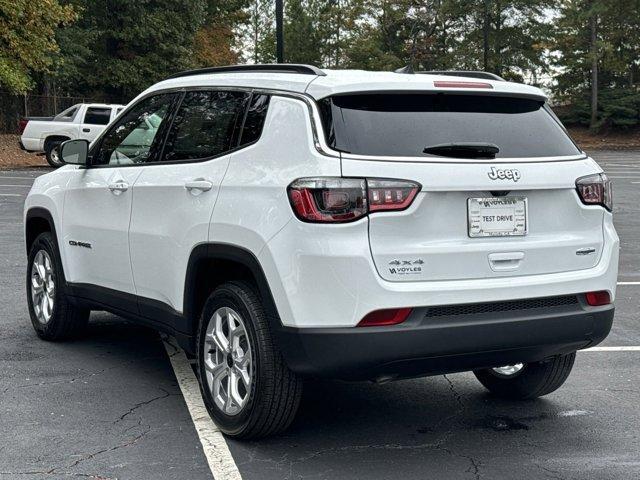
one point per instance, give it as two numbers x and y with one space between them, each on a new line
87 130
198 185
118 187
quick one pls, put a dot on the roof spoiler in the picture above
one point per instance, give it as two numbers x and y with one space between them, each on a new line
466 73
453 73
260 67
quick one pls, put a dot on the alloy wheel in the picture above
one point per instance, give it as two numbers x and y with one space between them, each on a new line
228 362
43 286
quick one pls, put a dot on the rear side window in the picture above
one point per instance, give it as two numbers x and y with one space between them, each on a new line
67 115
254 121
97 116
204 125
405 124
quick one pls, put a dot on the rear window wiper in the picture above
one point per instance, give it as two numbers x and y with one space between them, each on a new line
463 150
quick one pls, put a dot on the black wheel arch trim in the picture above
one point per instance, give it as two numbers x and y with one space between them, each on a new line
234 253
43 214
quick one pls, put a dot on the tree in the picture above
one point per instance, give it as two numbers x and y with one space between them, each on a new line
380 41
505 37
259 32
216 42
119 47
27 39
598 55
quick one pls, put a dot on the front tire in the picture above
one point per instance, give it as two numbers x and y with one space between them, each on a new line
52 315
247 388
531 380
52 153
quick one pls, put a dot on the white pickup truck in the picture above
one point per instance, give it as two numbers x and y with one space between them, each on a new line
84 120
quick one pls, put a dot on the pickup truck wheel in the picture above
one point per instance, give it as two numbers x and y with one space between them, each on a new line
52 152
246 385
529 380
52 315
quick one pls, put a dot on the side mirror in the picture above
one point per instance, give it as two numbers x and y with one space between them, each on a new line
75 152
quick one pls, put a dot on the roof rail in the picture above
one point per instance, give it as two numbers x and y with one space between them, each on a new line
466 73
260 67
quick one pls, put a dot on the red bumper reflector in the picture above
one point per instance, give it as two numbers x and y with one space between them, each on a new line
597 299
392 316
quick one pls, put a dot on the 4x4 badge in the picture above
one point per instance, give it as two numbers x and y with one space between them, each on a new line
504 174
406 267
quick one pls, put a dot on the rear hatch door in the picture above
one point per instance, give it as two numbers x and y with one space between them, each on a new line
475 216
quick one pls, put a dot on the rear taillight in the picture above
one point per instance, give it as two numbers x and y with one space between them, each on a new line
597 299
595 190
22 124
390 194
340 200
331 200
379 318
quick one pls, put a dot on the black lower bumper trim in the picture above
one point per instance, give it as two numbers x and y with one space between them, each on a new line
430 347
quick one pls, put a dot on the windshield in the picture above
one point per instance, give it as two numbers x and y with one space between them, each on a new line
407 124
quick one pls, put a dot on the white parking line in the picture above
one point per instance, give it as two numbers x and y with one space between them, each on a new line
215 447
611 349
14 185
11 195
628 283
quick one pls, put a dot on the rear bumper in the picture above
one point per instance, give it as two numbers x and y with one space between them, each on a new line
30 144
431 346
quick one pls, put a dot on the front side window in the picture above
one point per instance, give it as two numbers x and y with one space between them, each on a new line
408 124
204 125
97 116
131 139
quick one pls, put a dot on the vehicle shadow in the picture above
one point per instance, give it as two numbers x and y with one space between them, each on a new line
439 427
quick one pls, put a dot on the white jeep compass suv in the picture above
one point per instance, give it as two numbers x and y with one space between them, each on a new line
283 222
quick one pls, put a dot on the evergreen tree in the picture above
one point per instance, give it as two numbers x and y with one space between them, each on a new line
117 48
598 48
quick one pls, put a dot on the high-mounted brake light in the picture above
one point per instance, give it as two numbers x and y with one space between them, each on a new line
595 190
453 84
597 299
341 200
380 318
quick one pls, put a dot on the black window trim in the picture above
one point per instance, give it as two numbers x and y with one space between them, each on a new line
328 149
317 129
182 91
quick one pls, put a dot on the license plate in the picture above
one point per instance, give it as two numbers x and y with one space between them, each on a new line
497 216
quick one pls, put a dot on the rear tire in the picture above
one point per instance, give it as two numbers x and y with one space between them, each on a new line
52 152
52 315
243 360
532 381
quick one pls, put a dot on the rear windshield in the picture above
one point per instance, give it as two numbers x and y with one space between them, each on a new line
405 124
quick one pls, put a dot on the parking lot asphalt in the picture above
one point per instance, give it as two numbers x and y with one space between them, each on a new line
109 406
